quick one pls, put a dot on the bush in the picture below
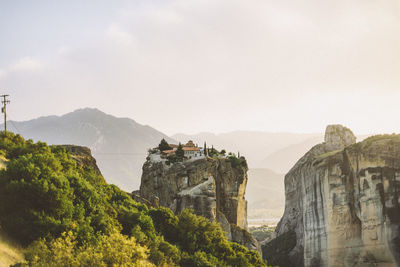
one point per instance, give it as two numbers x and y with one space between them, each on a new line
40 194
180 154
237 162
111 250
164 145
69 216
152 151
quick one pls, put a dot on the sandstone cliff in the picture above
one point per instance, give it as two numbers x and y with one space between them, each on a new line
212 187
342 204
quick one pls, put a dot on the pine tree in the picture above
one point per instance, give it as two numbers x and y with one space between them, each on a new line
164 145
179 151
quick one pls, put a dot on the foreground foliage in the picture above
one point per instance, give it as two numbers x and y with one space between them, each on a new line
67 215
111 249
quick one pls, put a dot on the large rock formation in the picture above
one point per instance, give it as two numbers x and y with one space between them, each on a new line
212 187
342 204
83 156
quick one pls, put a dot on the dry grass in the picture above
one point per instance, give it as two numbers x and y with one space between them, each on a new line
10 252
3 162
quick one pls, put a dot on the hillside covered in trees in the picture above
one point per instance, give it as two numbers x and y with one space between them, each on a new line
57 205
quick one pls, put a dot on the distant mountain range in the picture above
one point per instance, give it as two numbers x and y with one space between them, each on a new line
265 190
119 144
255 146
283 159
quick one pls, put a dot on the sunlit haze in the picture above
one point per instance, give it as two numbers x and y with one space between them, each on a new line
216 66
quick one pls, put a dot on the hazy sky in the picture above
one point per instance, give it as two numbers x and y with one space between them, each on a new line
206 65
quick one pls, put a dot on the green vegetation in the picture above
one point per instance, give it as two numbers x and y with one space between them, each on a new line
237 161
111 250
65 214
180 154
164 145
152 150
392 137
263 232
171 159
204 243
212 152
328 154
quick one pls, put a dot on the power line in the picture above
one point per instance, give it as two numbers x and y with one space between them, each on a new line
4 110
15 126
139 154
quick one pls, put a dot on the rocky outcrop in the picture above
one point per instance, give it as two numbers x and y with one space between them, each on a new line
82 156
342 204
212 187
338 137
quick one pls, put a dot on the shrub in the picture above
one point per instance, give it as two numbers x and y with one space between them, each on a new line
69 216
237 162
111 250
180 154
164 145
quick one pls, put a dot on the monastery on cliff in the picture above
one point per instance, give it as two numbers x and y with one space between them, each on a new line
190 149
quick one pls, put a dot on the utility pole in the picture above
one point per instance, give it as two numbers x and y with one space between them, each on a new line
4 110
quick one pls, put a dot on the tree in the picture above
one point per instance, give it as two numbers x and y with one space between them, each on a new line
111 250
39 177
164 145
69 216
179 152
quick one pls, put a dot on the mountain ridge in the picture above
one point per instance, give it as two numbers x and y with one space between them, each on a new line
119 144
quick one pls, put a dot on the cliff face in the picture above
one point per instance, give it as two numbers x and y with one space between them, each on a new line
83 156
342 204
213 188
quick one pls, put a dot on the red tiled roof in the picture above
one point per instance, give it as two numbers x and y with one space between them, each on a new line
168 151
185 148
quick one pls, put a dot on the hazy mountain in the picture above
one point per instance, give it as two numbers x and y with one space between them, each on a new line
255 146
265 189
284 159
119 144
265 194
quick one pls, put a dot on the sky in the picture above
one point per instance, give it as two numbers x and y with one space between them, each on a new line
206 65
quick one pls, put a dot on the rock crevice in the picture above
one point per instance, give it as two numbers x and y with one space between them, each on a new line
342 203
